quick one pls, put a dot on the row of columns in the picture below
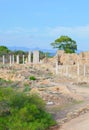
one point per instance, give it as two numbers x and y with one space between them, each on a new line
12 58
67 70
84 70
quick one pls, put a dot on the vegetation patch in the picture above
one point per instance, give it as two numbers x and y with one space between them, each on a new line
23 112
32 78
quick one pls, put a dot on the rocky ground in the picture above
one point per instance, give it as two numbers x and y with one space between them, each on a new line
61 94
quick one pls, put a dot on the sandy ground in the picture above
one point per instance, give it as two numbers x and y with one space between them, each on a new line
79 123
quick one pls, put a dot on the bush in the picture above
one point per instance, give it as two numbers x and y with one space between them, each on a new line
23 112
27 88
32 78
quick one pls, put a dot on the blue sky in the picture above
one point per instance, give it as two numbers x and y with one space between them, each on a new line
37 23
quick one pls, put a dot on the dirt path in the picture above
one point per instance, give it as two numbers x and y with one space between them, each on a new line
83 92
79 123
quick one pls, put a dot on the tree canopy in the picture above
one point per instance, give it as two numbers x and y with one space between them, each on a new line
65 43
4 49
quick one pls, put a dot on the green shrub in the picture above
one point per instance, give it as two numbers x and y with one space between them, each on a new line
23 112
32 78
27 89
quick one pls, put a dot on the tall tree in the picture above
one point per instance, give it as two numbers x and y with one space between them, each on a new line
65 43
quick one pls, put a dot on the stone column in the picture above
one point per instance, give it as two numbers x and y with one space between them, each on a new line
23 59
29 57
13 58
3 58
10 60
84 70
35 57
17 58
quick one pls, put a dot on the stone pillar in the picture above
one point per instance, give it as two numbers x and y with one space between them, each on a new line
3 58
17 58
35 57
23 59
13 58
29 57
10 60
84 70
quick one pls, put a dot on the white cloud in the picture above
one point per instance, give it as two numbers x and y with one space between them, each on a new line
79 31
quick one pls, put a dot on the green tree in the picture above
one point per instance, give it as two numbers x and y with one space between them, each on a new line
4 50
65 43
20 52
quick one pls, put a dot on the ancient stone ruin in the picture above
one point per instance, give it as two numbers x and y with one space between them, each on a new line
35 57
73 65
12 59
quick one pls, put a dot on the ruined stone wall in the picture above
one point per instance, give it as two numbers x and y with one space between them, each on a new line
73 65
71 59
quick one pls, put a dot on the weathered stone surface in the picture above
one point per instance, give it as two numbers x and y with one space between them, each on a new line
70 59
36 57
